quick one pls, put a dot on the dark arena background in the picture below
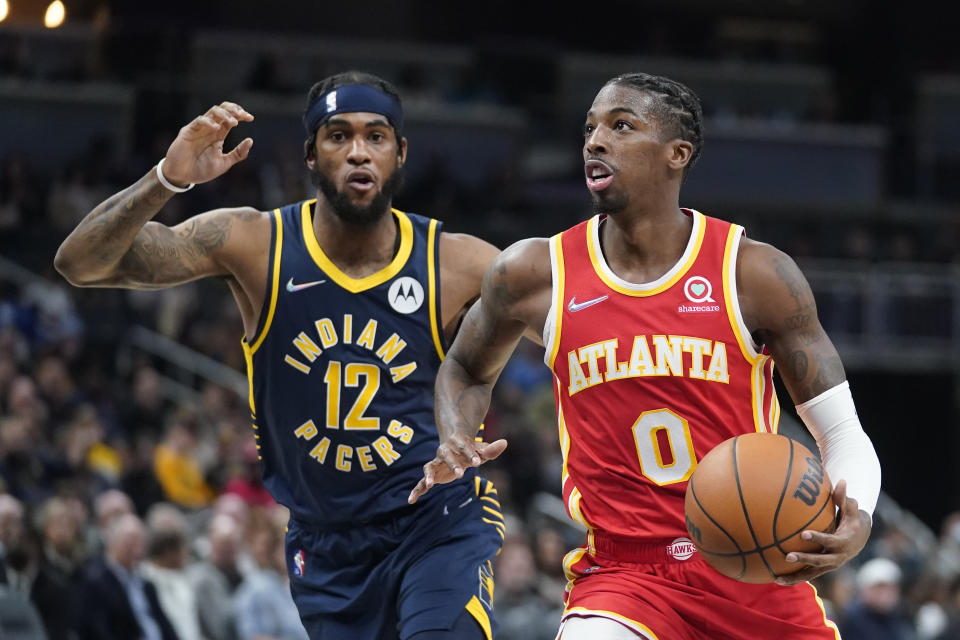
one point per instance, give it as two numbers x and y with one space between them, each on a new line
832 131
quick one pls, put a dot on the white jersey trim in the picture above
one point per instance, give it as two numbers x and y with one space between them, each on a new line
698 222
551 322
587 624
751 346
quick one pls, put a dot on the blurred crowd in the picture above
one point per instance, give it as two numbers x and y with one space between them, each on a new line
122 508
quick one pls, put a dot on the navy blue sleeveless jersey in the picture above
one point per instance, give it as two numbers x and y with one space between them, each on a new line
342 371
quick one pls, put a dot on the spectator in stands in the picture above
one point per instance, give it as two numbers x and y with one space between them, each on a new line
57 388
93 463
522 610
60 524
549 549
263 606
952 630
877 613
116 602
216 578
166 567
147 409
948 549
176 465
17 566
139 480
246 480
109 505
24 401
28 468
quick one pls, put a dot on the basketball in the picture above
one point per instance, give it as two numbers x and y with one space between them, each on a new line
748 501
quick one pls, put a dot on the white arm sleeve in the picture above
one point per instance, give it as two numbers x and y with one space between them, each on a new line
845 449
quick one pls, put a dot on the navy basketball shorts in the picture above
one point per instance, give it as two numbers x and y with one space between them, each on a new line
418 571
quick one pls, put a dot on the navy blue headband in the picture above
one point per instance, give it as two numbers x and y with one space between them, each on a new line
353 98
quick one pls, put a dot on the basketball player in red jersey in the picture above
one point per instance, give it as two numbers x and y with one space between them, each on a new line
661 326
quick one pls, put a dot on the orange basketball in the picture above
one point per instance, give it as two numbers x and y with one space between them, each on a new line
749 500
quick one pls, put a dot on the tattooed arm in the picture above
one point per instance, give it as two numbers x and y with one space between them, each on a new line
515 296
779 308
116 245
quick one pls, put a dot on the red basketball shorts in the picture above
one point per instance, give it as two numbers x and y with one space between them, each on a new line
653 590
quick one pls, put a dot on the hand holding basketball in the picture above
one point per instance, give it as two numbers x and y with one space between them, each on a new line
850 536
749 502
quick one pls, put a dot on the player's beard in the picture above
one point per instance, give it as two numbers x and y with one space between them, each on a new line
354 214
606 202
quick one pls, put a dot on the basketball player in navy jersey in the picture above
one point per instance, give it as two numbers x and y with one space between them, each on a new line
348 306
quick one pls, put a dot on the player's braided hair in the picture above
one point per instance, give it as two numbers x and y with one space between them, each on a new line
676 107
339 80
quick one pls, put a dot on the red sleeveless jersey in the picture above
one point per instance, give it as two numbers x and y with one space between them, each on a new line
649 377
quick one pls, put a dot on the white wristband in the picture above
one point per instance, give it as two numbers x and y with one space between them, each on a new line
166 183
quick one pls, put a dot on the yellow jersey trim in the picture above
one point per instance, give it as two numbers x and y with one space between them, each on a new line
248 356
572 558
827 622
624 620
432 287
558 286
274 286
658 286
356 285
480 615
758 386
774 423
758 383
573 503
745 342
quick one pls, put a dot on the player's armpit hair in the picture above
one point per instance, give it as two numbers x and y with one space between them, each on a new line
846 450
678 107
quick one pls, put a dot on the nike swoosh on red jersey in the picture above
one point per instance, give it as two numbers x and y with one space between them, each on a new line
574 306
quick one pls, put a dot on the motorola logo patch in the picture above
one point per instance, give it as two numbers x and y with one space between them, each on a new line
405 295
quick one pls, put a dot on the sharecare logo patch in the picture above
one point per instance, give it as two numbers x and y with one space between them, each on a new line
681 549
698 289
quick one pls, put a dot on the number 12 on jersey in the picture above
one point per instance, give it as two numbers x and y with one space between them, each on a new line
352 374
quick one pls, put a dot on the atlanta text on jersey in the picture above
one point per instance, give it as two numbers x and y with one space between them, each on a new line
667 359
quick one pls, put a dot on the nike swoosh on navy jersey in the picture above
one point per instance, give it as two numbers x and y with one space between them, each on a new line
303 285
574 306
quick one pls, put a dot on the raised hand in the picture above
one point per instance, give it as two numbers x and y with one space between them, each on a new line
851 534
196 155
453 457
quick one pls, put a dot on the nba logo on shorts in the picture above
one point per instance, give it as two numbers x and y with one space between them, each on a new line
299 564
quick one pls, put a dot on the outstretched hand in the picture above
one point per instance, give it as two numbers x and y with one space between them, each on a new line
196 155
454 455
851 534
